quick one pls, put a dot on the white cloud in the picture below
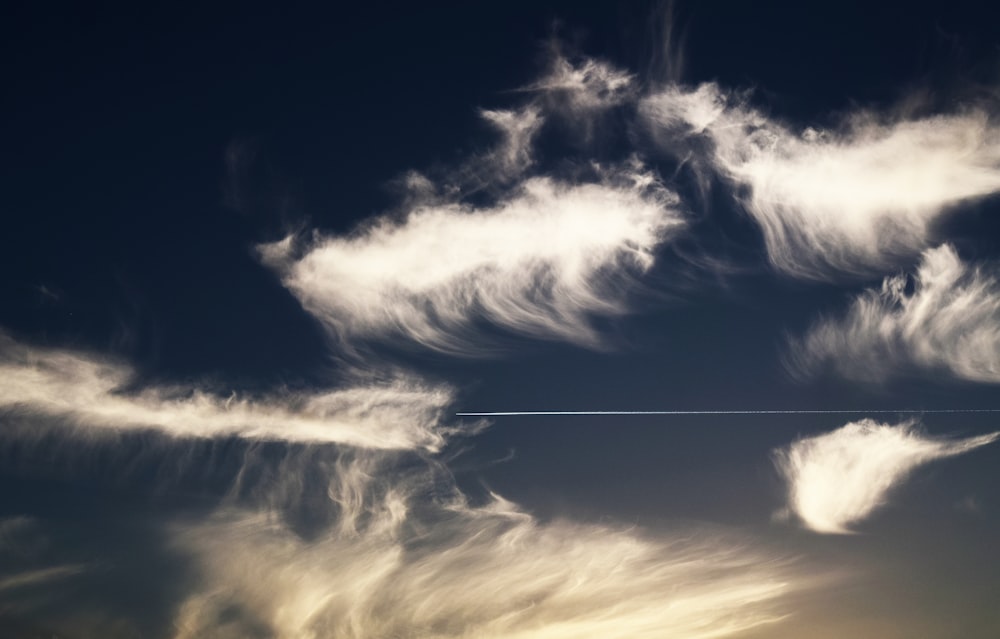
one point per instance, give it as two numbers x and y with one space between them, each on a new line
839 478
518 129
485 572
948 320
540 262
850 200
92 394
585 88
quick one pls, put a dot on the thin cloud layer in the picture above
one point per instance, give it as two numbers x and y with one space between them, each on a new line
839 478
540 262
945 319
461 571
92 394
829 202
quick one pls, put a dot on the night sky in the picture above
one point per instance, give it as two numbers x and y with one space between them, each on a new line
255 259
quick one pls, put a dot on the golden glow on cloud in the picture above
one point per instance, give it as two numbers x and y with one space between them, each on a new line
839 478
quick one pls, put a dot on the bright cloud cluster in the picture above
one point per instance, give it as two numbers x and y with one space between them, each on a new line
540 262
850 200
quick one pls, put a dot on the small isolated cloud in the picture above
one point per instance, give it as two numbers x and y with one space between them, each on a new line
945 318
584 88
93 395
541 262
847 200
518 129
839 478
970 505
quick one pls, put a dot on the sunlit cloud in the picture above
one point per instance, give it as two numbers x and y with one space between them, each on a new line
395 546
518 129
945 318
354 526
584 87
840 478
540 262
852 199
463 571
93 394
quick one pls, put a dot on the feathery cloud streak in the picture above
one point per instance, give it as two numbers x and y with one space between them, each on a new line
457 570
92 394
539 262
584 89
841 477
948 320
848 200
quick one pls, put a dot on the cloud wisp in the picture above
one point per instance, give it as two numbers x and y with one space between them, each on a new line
392 545
946 318
581 89
848 200
416 565
540 262
839 478
93 395
357 528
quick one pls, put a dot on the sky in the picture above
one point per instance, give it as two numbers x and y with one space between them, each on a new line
267 270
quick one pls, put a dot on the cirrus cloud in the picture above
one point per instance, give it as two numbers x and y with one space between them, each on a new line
461 571
92 394
850 199
946 318
839 478
540 262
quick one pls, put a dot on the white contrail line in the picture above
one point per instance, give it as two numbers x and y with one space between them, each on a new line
543 413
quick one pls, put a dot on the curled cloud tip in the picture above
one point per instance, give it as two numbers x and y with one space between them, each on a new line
839 478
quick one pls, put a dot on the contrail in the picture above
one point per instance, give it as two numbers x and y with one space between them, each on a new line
530 413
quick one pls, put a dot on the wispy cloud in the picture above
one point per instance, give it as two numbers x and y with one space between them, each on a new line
455 570
851 199
839 478
582 87
501 247
518 128
395 547
946 318
39 577
93 394
539 262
